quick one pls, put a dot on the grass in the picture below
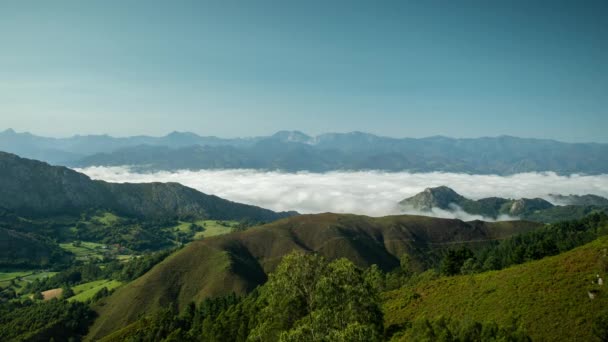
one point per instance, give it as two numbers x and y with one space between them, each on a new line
211 228
549 297
86 250
107 219
214 228
21 277
86 291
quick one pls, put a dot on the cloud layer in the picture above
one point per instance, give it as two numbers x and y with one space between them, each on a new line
371 193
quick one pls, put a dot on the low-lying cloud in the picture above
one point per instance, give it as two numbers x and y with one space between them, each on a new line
373 193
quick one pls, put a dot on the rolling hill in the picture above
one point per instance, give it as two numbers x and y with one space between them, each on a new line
550 297
238 262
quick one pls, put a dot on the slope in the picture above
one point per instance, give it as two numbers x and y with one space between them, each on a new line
240 261
550 297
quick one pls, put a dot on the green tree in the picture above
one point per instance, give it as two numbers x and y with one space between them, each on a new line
470 266
67 292
309 299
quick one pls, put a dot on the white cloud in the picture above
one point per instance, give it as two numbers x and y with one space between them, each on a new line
372 193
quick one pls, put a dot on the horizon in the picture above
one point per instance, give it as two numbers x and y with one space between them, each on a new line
74 135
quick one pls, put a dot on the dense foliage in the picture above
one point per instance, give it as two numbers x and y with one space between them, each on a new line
57 319
445 330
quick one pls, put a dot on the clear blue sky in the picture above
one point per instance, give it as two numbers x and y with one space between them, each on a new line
243 68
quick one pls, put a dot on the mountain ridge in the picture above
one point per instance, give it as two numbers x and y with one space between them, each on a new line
36 188
297 151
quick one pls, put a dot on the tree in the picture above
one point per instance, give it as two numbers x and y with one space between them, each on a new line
454 259
470 266
312 300
67 292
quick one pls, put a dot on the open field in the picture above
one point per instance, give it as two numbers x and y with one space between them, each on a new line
86 291
86 250
213 228
21 278
53 293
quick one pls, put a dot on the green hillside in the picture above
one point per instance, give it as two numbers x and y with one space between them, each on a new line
549 297
239 262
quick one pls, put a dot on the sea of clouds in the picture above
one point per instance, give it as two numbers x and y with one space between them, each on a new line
373 193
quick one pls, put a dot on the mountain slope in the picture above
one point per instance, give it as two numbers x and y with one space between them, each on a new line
240 261
549 296
535 209
31 188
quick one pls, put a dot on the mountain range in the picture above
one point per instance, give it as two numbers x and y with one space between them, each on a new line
535 209
296 151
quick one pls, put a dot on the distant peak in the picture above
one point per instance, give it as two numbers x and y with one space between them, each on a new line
9 131
292 136
440 197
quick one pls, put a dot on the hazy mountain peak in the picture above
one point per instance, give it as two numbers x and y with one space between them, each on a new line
293 136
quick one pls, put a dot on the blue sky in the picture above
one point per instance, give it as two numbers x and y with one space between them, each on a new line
244 68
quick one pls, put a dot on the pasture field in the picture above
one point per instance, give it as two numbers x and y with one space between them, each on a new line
86 291
21 277
86 250
214 227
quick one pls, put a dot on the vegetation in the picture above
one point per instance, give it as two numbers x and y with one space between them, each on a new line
90 291
42 321
550 240
306 299
549 298
241 261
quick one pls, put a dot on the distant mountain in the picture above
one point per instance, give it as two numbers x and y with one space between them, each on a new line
296 151
536 209
33 188
241 261
579 200
440 197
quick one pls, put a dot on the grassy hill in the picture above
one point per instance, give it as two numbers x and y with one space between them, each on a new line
549 297
240 261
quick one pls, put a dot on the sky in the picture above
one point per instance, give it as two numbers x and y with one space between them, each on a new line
249 68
